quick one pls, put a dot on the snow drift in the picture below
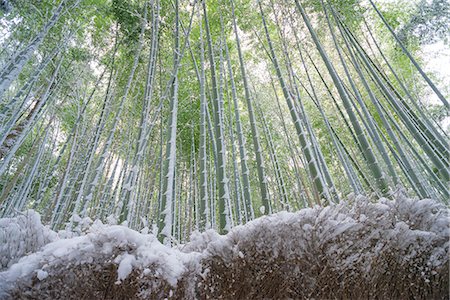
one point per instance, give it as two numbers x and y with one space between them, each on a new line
21 235
357 249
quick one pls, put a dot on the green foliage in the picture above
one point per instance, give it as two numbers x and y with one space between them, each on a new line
127 14
5 7
428 22
349 10
79 54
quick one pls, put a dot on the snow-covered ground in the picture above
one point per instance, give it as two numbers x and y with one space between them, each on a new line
354 240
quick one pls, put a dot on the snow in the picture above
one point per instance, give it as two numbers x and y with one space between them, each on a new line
354 233
142 250
262 209
22 235
41 275
125 266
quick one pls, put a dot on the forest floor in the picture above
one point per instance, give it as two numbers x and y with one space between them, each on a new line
391 249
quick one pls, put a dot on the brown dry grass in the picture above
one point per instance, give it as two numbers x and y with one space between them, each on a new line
97 281
253 276
260 277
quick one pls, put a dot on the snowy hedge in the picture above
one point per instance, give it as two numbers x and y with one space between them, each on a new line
357 249
22 235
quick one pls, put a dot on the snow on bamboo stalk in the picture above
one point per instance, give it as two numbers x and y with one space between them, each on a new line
316 152
367 116
36 117
241 140
165 221
367 150
145 184
311 162
351 176
255 135
13 68
81 199
44 174
16 109
223 120
222 179
283 198
142 141
435 136
354 182
191 203
62 184
23 195
72 136
413 61
204 210
101 162
240 209
423 168
315 148
440 162
11 136
432 142
410 172
300 186
236 177
10 198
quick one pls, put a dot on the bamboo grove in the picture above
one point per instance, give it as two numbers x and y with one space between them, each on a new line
179 115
